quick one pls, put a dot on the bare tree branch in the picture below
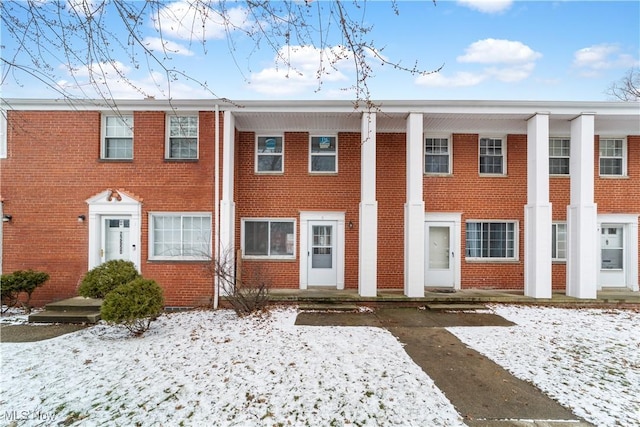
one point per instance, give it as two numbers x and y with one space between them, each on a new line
628 87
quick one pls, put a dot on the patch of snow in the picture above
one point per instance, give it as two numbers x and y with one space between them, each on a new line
213 368
586 359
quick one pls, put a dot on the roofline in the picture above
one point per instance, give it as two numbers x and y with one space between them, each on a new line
335 106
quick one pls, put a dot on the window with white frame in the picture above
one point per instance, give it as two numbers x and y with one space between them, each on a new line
437 155
492 156
495 240
559 156
323 154
268 238
559 241
118 137
612 157
180 236
182 137
269 154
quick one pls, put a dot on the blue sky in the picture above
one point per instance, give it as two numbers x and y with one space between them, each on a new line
493 50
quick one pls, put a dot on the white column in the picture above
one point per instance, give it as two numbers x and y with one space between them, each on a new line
227 204
368 230
414 211
582 213
537 212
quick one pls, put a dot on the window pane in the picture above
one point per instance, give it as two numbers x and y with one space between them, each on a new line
559 166
281 238
491 164
256 238
116 126
323 163
268 163
437 164
323 144
269 144
119 148
610 166
183 148
183 126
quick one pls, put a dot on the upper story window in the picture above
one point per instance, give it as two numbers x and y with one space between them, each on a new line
268 238
559 156
269 154
437 156
493 156
179 236
323 154
559 241
182 137
118 137
495 240
613 153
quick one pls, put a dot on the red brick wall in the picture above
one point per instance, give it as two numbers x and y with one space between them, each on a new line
284 196
54 165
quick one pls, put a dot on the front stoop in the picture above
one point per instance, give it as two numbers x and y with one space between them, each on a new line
72 310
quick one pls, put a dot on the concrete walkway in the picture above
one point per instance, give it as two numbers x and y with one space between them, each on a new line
482 392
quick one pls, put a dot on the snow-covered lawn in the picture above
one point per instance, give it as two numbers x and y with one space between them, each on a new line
588 360
212 368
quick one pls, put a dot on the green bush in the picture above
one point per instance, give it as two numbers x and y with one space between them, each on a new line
134 304
21 281
101 280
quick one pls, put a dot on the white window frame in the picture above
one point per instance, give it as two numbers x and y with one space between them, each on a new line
268 256
481 258
104 136
503 149
3 134
568 157
182 215
258 154
449 154
555 238
623 157
332 154
168 137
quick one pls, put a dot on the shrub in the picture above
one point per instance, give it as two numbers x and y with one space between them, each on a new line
134 304
21 281
101 280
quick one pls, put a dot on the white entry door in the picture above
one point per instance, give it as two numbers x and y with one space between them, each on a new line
322 270
439 255
116 240
612 268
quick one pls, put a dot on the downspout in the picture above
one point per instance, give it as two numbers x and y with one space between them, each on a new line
216 210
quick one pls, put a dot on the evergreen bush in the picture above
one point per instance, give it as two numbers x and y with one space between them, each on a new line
101 280
134 304
20 281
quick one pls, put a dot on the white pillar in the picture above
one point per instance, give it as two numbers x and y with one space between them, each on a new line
537 212
582 213
368 230
414 211
227 204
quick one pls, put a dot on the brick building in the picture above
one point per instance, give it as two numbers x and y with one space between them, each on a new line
449 194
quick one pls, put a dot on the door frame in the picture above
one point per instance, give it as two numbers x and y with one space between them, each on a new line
454 220
629 224
305 218
103 233
113 203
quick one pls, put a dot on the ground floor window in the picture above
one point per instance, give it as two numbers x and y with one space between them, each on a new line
179 236
491 240
559 241
268 238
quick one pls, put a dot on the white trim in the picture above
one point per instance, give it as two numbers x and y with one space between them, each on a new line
624 156
151 240
103 136
305 217
503 146
449 138
269 220
516 241
167 132
318 135
456 244
256 154
3 134
630 224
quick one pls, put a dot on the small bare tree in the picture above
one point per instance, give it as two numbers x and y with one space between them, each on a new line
245 288
628 87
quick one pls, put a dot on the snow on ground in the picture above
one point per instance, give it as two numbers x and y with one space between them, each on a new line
213 368
587 359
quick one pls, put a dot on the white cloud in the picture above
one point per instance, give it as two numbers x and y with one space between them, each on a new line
185 21
459 79
166 47
595 59
498 51
487 6
299 68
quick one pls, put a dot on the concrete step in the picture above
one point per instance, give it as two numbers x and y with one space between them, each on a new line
455 307
75 316
327 307
75 304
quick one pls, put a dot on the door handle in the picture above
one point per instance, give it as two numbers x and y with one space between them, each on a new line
101 253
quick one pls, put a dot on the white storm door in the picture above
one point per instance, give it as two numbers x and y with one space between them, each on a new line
116 241
439 255
322 259
612 268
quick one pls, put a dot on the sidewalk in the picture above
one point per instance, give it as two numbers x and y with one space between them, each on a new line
483 393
